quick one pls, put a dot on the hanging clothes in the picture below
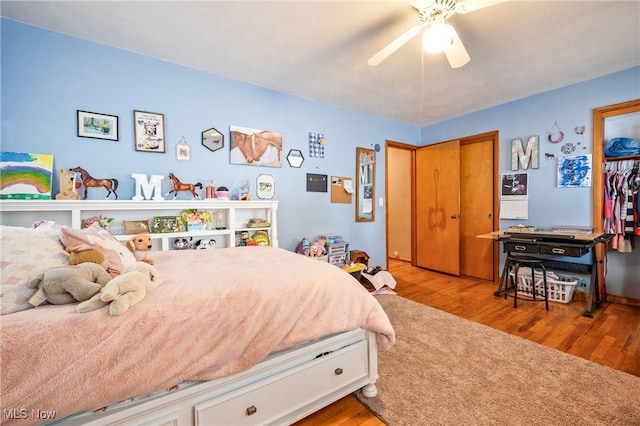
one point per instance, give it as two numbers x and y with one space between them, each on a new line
621 205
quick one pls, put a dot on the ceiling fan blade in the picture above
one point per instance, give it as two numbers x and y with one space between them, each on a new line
456 53
466 6
395 45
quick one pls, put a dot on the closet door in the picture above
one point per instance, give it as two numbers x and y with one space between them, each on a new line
438 207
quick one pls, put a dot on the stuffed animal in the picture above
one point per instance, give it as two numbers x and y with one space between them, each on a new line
125 290
62 285
82 253
182 243
143 243
205 243
68 186
303 247
317 249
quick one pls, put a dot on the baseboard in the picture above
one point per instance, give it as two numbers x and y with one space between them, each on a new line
622 300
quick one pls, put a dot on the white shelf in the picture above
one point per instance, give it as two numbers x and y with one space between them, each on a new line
72 212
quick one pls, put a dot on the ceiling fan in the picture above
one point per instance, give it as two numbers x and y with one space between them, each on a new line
439 35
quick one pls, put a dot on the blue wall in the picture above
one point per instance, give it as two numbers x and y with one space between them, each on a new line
549 205
47 76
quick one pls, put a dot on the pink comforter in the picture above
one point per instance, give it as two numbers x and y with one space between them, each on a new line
218 312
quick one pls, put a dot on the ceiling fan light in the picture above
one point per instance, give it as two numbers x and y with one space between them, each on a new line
438 37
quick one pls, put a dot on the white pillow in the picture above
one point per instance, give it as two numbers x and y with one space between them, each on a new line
25 253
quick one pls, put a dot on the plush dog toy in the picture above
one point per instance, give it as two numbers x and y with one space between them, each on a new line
143 243
125 290
62 285
182 243
205 243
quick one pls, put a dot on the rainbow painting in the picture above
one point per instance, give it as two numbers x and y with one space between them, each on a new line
25 176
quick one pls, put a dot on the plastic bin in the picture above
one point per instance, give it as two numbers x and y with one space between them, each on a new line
560 288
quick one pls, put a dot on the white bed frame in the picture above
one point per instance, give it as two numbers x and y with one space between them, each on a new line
285 387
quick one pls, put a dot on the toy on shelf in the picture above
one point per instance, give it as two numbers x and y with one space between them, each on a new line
205 243
303 247
90 182
182 243
317 248
68 186
179 186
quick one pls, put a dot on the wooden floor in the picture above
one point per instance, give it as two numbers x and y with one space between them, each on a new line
610 338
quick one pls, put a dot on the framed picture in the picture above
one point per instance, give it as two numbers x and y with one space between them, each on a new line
163 224
136 226
266 187
183 150
149 131
97 126
255 147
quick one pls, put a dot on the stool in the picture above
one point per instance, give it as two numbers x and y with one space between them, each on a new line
359 256
517 262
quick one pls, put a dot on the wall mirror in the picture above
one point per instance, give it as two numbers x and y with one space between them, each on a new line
365 185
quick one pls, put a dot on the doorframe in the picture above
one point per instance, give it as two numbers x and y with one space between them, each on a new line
494 136
412 212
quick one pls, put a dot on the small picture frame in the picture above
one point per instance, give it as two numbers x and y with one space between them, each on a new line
97 126
183 150
149 131
164 224
136 226
265 187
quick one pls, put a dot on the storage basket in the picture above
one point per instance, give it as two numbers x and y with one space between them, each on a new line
560 289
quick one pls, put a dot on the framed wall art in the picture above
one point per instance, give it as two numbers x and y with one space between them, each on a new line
136 226
265 187
255 147
97 126
149 131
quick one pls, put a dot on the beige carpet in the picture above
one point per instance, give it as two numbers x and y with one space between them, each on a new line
446 370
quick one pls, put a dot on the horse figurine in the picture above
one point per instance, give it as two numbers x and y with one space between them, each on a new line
179 186
68 188
90 182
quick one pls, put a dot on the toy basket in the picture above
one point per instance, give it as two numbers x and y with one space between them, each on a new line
560 288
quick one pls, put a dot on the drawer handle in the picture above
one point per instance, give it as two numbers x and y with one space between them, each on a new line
339 371
520 248
558 250
251 410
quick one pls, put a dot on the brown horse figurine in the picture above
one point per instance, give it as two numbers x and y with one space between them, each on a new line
179 186
90 182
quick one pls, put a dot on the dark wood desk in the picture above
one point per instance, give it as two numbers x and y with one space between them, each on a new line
545 245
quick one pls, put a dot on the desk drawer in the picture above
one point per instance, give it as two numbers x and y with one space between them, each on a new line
563 250
520 247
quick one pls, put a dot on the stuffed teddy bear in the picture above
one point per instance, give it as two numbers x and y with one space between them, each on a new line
82 253
141 242
62 285
125 290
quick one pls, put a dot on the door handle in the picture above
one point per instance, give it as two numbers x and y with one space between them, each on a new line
454 216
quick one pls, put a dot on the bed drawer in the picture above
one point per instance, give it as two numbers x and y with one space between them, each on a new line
264 402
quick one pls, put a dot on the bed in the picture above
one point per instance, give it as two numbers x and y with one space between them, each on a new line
242 335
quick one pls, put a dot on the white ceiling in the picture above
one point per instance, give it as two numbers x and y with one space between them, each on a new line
319 49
